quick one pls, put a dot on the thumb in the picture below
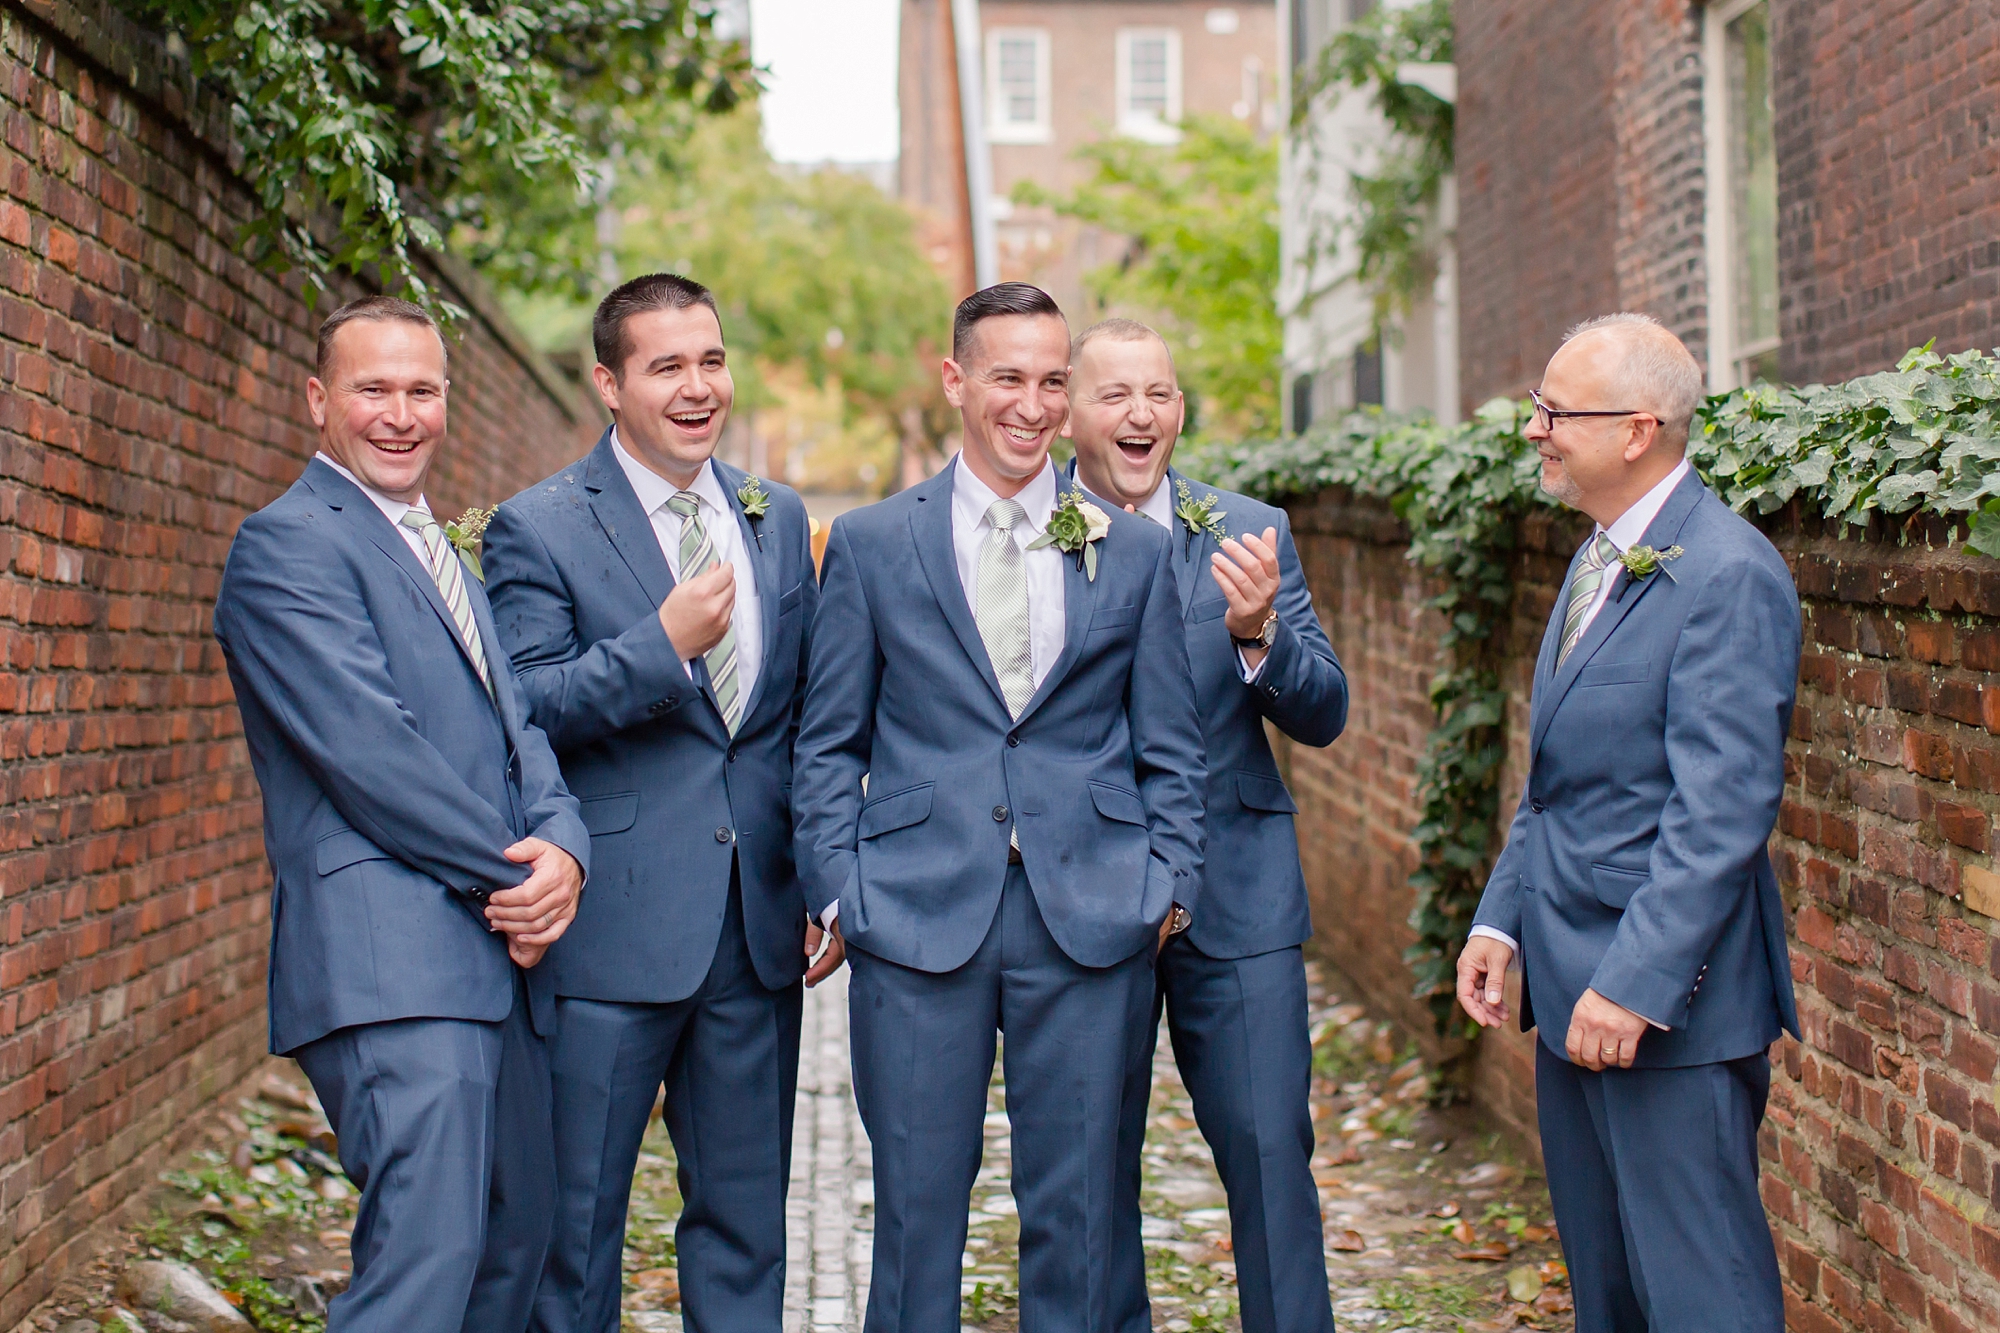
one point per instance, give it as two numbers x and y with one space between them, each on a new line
1130 510
527 849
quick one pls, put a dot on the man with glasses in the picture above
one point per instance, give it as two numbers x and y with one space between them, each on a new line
1635 885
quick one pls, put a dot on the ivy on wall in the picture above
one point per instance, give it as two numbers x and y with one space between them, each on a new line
1923 438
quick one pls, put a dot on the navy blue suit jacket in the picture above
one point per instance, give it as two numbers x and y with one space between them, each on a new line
1637 863
1102 772
392 781
1254 893
577 576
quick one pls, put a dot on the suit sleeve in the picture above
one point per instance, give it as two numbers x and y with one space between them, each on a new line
552 813
575 694
1500 905
1301 687
1730 689
809 612
305 646
836 730
1169 759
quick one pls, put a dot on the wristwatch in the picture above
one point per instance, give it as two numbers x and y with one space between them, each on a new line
1267 633
1179 920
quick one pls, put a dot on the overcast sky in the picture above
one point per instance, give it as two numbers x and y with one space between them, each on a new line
832 81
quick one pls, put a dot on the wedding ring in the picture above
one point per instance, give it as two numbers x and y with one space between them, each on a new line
1607 1050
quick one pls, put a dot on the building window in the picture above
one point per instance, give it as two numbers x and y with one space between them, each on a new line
1017 82
1149 83
1302 403
1368 373
1742 214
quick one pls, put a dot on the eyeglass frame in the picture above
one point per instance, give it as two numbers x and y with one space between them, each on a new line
1555 414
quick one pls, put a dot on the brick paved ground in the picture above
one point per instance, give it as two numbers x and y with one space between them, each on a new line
1428 1217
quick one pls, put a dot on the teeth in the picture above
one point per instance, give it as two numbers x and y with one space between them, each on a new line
1137 443
1024 436
692 418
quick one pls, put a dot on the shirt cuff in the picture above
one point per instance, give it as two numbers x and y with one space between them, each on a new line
827 918
1251 673
1488 933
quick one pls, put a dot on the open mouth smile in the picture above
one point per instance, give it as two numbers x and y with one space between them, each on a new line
693 422
1021 434
1136 448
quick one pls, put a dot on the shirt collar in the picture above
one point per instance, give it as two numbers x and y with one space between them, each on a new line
392 509
655 490
971 497
1159 506
1631 525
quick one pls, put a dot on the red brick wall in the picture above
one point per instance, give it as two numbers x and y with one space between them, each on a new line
1888 136
150 397
1882 1148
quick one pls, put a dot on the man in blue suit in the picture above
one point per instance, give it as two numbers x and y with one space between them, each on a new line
1635 885
423 847
1009 676
1234 984
657 605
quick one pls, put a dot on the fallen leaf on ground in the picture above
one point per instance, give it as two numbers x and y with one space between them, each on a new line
1349 1241
1555 1273
1553 1302
1486 1173
1487 1254
1463 1233
1535 1235
1449 1208
1524 1284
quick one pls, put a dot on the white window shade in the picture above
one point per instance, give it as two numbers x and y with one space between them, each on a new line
1149 83
1017 85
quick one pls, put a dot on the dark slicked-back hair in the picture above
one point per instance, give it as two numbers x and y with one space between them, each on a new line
373 309
1002 298
653 291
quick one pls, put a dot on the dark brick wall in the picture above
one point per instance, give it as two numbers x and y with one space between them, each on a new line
151 395
1888 125
1882 1147
1660 177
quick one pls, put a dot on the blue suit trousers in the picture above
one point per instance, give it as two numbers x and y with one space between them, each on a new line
444 1124
1238 1027
1653 1173
923 1057
729 1058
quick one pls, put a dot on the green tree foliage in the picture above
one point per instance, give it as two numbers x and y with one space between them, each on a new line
370 128
1394 204
1202 218
1923 438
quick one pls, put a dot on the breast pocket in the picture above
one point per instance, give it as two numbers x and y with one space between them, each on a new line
1111 617
1213 609
790 601
1613 673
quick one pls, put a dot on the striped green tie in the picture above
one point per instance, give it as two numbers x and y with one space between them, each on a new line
449 575
698 557
1583 591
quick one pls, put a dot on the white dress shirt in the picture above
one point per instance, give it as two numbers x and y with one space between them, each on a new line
1625 532
1159 507
393 510
970 499
725 534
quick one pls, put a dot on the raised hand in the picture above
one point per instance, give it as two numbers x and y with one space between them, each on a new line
696 613
1247 573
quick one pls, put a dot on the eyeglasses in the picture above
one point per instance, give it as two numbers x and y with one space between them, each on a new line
1547 416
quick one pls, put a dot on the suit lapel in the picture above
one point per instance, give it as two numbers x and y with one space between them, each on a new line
1079 601
1625 595
764 561
930 529
616 508
1192 546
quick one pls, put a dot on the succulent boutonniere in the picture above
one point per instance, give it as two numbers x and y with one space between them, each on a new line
755 501
465 534
1199 515
1075 527
1642 562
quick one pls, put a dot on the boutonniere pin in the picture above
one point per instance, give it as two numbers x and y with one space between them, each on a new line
1642 562
465 534
1200 516
755 501
1075 527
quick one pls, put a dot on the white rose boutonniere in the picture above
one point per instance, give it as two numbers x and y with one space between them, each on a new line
1075 527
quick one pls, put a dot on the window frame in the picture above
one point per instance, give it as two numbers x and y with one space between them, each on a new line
1727 357
1146 126
1000 129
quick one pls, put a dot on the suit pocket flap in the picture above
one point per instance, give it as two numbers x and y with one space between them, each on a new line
1615 885
1110 617
790 601
1613 673
610 814
1213 609
338 850
900 809
1117 803
1261 793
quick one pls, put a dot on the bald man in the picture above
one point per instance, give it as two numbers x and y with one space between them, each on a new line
1635 886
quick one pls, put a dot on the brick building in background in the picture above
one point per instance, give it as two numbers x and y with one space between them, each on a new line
151 395
1055 75
1803 189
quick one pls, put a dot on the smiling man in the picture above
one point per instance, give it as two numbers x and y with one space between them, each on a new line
1233 985
1008 675
419 836
657 605
1635 885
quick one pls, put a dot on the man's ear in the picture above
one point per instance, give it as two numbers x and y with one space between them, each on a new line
954 383
316 401
607 386
1644 433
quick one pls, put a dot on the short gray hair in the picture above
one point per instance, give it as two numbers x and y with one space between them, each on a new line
1121 331
1655 368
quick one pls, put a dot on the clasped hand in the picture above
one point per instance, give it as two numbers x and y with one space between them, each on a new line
1601 1034
535 913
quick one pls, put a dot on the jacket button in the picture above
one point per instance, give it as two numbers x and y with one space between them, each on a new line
732 754
999 814
657 707
1536 806
722 835
1013 740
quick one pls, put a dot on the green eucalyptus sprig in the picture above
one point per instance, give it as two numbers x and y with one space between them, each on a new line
1199 515
466 533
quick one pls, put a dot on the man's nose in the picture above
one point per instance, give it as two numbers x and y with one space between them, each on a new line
402 412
